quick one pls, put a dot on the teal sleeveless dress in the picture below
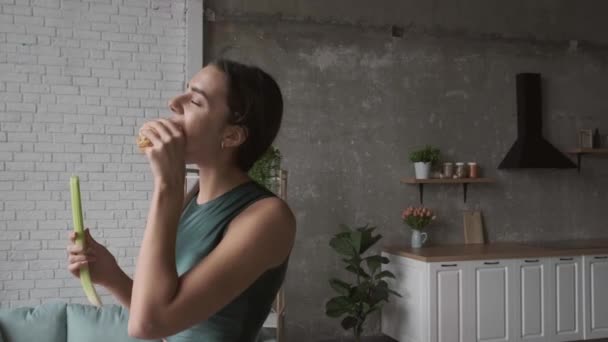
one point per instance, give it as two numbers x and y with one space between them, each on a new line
200 230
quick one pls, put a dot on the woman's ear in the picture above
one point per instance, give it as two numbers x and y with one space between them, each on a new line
234 136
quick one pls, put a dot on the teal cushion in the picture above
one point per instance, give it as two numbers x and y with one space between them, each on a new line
45 322
92 324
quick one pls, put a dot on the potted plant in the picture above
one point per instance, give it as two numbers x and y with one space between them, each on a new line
418 218
265 170
423 159
368 290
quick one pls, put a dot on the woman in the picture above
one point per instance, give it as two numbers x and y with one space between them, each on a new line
209 266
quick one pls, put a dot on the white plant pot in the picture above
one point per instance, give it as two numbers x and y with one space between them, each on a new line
423 170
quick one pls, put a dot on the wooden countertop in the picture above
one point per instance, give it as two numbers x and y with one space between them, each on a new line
501 250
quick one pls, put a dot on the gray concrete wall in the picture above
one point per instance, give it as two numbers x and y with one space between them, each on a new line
359 100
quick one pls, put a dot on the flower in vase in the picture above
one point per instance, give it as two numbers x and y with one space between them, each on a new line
417 217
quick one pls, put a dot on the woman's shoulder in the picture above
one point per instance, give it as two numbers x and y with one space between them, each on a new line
272 207
268 215
268 219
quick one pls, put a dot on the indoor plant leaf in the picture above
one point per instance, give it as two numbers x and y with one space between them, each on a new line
360 292
374 262
385 274
342 245
367 243
373 308
338 306
394 293
378 294
341 287
358 270
349 322
355 241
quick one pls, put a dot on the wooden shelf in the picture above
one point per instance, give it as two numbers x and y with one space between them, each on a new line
446 180
464 181
580 152
588 151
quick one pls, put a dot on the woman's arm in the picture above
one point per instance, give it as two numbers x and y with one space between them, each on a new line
121 288
155 282
258 239
122 285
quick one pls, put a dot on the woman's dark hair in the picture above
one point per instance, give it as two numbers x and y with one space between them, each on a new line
255 102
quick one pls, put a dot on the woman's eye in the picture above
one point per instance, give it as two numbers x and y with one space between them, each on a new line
196 104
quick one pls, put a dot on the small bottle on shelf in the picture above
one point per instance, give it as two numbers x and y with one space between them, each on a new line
597 140
448 170
473 170
460 171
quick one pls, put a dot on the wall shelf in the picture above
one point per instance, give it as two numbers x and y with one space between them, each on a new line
580 152
464 181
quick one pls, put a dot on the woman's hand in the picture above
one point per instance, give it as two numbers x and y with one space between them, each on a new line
102 265
166 156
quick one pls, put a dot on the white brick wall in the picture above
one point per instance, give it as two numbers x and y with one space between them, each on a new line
77 79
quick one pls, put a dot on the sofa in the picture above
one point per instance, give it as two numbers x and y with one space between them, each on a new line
62 322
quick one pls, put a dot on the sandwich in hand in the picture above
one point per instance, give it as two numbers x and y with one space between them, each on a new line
143 142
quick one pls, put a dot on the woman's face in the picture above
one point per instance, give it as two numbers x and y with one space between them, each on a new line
202 111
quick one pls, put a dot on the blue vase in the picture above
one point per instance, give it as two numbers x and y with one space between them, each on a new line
418 238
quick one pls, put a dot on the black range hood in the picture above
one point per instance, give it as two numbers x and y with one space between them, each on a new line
531 150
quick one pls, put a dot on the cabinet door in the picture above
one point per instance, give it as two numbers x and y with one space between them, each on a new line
566 299
596 296
530 300
405 318
393 311
448 314
493 292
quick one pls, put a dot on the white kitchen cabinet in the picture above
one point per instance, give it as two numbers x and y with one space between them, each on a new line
493 300
595 284
530 299
404 318
566 299
547 299
450 309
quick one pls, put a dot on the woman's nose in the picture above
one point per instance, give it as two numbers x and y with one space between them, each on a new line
175 105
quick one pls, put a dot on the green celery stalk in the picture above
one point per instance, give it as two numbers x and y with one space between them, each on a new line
85 276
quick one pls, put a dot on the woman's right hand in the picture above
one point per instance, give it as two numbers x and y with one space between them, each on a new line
102 264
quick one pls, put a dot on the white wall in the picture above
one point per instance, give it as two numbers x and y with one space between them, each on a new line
77 79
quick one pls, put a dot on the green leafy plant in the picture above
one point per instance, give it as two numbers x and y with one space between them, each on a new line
266 169
369 290
428 154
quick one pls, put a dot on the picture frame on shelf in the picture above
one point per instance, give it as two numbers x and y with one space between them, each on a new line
585 138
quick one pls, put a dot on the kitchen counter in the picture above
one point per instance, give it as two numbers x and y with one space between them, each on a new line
501 250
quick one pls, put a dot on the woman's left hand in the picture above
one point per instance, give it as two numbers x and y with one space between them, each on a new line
166 156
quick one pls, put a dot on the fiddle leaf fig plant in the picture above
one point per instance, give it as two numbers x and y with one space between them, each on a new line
368 290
